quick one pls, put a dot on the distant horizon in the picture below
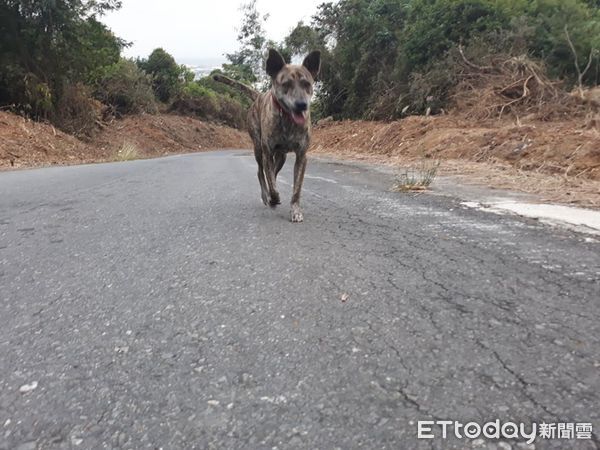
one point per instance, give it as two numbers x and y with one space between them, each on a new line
202 62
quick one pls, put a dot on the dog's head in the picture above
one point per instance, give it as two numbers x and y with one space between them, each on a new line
293 84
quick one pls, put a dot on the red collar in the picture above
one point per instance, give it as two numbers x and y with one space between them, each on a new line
281 109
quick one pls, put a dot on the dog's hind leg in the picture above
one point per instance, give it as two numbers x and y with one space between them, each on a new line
299 168
269 171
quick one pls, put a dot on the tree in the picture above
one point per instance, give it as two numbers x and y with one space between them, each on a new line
302 40
248 60
166 74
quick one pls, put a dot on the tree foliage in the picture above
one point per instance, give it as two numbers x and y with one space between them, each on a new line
396 52
166 74
125 88
246 63
46 44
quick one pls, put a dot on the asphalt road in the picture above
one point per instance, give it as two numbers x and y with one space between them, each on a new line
159 304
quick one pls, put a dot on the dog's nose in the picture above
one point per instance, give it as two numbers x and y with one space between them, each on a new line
301 106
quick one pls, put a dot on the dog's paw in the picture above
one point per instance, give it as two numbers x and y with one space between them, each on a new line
274 200
296 215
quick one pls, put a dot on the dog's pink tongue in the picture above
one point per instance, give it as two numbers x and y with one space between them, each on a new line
299 118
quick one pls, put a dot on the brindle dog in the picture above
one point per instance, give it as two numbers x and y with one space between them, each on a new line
279 123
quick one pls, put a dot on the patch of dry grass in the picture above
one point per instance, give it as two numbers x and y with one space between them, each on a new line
127 152
417 178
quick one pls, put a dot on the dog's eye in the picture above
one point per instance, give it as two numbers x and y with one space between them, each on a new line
287 85
305 85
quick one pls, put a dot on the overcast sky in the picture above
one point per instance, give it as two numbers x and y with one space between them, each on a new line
198 31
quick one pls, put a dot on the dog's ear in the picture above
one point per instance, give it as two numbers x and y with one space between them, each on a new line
275 63
313 63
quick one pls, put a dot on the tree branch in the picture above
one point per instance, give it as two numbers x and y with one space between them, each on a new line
580 74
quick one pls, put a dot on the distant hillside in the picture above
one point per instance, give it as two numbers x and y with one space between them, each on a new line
201 66
200 71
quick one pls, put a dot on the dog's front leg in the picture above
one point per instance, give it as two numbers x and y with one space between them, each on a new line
299 168
270 176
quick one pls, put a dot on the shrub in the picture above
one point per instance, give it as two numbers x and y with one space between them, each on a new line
203 106
194 89
77 112
222 89
38 97
232 113
126 89
200 101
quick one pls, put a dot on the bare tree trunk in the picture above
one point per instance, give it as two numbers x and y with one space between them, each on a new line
580 74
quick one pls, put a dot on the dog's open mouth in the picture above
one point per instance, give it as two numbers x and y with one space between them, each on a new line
299 117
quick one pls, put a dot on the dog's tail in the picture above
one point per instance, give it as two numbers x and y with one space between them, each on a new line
244 88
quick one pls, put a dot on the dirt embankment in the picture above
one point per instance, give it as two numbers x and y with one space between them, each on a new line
559 160
25 143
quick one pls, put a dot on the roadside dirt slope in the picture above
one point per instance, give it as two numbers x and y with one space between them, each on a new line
25 143
548 147
559 160
156 135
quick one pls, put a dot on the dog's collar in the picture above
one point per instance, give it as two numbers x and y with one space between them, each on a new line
280 108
